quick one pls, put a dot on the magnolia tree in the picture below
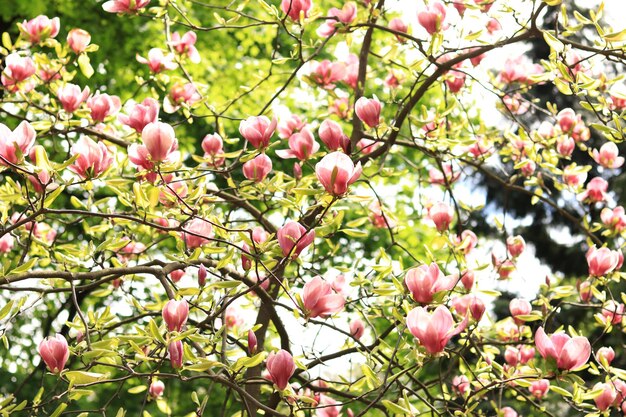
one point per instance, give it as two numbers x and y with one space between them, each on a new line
316 260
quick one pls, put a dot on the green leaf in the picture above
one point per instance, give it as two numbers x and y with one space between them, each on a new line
395 408
85 65
24 267
137 389
6 309
82 377
59 410
53 196
154 330
560 390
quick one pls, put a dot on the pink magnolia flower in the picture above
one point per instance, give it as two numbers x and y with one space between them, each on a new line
442 215
480 148
232 318
508 412
357 328
175 350
179 94
605 356
516 104
320 300
293 8
602 261
540 388
55 352
433 19
94 158
332 135
259 236
257 168
493 26
519 307
15 144
512 355
177 275
426 280
71 97
519 70
399 25
467 242
607 397
460 6
475 60
515 245
212 145
158 61
160 141
281 367
293 238
448 176
156 389
573 177
301 145
620 387
526 354
40 28
567 119
175 314
352 71
290 125
469 304
327 407
252 342
484 5
78 40
380 218
455 81
141 114
528 169
608 156
433 330
467 279
197 233
614 219
581 133
327 73
460 384
547 130
185 45
368 110
49 73
393 80
17 69
202 275
336 172
565 145
171 189
337 17
367 146
617 99
7 241
124 6
570 353
103 105
258 130
132 248
612 312
340 107
584 291
596 191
